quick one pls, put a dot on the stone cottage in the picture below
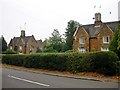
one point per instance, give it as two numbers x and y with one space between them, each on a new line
23 44
94 37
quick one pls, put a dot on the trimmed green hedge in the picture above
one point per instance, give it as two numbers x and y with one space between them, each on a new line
13 59
46 61
102 62
106 63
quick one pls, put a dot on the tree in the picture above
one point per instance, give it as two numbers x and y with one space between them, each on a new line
119 37
115 43
55 43
0 45
3 44
70 30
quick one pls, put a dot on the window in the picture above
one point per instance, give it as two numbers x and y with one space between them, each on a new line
20 49
15 48
30 50
106 39
82 49
104 49
82 40
10 47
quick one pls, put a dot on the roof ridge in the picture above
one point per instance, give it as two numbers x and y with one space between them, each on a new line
102 22
111 22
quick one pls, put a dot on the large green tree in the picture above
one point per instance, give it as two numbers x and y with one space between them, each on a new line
55 42
3 44
70 30
115 43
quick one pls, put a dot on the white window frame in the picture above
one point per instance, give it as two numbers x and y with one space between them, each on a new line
104 49
106 41
82 49
82 40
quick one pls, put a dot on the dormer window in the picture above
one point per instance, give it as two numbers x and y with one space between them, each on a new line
82 40
106 39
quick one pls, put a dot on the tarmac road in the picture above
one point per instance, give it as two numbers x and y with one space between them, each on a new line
24 79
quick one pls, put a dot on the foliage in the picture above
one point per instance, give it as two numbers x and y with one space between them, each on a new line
3 44
101 62
70 30
55 42
106 63
115 43
13 59
119 37
74 63
9 52
68 51
49 61
39 50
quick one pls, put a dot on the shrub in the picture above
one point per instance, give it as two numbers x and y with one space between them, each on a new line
102 62
13 59
69 51
46 61
74 63
118 68
9 52
106 63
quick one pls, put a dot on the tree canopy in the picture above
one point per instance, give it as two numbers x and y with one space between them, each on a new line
70 30
3 44
55 42
115 43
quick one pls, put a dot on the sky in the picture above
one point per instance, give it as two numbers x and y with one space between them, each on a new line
41 17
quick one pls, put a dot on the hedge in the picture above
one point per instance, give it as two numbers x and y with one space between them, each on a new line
47 61
106 63
102 62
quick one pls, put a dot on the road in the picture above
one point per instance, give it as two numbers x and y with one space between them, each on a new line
0 77
23 79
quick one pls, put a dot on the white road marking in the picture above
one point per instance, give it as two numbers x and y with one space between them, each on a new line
28 81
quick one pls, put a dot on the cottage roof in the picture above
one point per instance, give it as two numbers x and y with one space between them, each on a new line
113 25
15 40
26 39
93 30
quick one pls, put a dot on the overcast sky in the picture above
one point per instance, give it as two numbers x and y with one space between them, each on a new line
43 16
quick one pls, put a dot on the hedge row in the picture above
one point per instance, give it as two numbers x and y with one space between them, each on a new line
106 63
43 61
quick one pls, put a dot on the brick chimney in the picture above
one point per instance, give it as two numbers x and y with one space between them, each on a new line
22 33
97 19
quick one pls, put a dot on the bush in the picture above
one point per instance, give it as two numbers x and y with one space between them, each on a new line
13 59
74 63
102 62
46 61
9 52
118 68
69 51
106 63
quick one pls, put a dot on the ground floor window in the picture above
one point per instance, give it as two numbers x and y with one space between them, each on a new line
104 49
82 49
10 47
20 49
